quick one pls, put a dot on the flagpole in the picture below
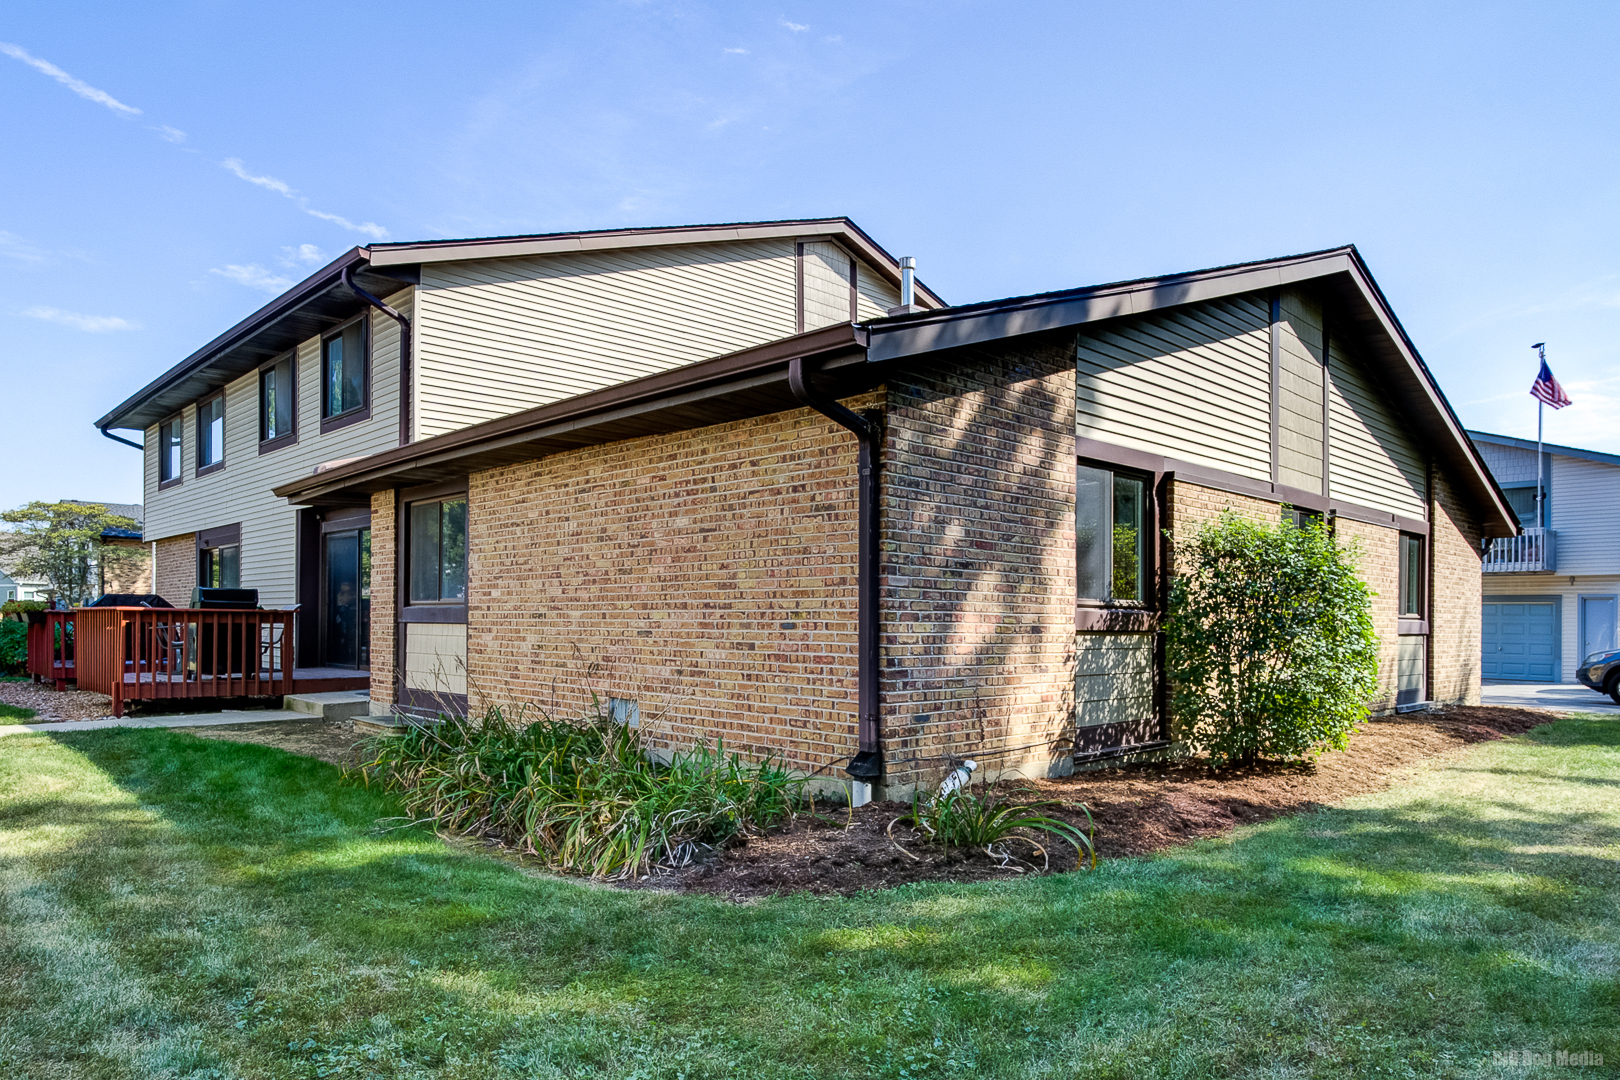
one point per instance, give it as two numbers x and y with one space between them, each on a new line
1541 495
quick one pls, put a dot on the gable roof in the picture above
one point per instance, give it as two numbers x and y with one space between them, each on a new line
753 381
321 300
1551 448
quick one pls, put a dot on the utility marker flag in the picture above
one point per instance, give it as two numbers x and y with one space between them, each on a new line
1546 389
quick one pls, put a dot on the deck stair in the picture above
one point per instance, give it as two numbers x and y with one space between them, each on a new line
330 704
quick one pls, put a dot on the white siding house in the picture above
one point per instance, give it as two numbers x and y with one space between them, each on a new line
1552 596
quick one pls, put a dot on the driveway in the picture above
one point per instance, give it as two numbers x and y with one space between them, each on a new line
1571 696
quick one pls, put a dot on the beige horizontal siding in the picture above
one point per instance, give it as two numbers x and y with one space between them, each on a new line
874 295
1192 383
1113 678
241 491
1300 387
826 284
1585 514
1372 459
436 657
496 336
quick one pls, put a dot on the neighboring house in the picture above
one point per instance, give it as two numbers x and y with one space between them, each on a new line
494 326
132 574
1550 595
23 588
892 542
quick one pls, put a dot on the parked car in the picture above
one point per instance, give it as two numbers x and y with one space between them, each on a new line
1601 671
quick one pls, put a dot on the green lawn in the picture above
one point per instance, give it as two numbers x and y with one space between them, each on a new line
179 907
15 712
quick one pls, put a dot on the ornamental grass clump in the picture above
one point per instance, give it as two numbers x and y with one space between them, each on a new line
581 794
1269 643
962 818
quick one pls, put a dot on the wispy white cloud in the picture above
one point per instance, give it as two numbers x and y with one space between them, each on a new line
255 276
169 134
302 255
282 188
90 324
797 28
78 86
13 246
736 52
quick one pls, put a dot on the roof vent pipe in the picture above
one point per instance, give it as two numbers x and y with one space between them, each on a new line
908 281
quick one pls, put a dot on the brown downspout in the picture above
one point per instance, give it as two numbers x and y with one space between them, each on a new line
404 353
867 764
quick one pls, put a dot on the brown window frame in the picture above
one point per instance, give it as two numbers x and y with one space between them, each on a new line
290 436
176 423
1412 618
363 410
1149 552
438 611
224 536
215 466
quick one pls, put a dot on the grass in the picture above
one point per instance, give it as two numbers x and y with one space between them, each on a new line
188 908
15 712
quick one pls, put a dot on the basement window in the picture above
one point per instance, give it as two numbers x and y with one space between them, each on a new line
1111 534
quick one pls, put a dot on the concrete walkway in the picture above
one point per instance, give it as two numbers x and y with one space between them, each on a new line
255 716
1572 697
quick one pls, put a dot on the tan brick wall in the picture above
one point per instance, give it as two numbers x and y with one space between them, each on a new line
1457 584
129 569
978 563
176 568
384 554
1379 567
708 575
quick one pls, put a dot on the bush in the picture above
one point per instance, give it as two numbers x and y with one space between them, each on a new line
1270 645
13 646
22 607
964 819
581 794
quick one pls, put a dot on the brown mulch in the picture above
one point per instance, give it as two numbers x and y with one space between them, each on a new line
51 705
332 741
1137 809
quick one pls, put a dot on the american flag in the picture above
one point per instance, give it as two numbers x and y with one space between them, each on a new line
1547 389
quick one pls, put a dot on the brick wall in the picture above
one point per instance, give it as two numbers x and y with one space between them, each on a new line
978 562
176 569
707 575
1457 585
126 567
384 552
1379 567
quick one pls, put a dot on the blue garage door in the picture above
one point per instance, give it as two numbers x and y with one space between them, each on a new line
1520 640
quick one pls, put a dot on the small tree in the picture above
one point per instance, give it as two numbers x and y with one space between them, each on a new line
62 543
1270 645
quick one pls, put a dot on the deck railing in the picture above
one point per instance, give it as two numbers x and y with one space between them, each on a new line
50 647
1535 550
145 654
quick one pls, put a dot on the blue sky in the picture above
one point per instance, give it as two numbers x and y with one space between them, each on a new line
168 167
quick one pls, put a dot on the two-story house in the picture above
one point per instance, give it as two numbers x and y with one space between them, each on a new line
394 344
1551 594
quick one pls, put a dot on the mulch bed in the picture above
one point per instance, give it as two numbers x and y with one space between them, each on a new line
50 704
1138 809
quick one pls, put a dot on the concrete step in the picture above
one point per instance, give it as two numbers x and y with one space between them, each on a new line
331 705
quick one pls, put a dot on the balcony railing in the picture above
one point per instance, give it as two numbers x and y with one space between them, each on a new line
1535 551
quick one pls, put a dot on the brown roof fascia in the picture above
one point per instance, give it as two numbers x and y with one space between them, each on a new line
1341 270
504 437
499 247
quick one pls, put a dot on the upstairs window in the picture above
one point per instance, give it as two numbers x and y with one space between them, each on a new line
343 371
211 434
1111 534
171 464
1522 500
438 551
276 402
1412 577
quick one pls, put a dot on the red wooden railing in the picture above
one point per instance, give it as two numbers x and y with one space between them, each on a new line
144 654
50 647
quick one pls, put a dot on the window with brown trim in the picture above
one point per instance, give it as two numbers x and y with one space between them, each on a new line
278 404
345 375
171 459
1113 527
1412 577
211 434
436 551
219 557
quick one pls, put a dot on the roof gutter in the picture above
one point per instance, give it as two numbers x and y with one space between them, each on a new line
120 438
404 351
867 764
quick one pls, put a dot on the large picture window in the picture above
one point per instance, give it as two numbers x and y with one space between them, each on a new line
211 434
343 371
1412 577
1111 535
438 551
171 462
276 402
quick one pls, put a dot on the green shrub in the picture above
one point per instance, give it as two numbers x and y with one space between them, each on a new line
1270 645
581 794
964 819
22 607
13 646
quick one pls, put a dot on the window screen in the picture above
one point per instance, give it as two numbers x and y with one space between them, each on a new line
438 551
